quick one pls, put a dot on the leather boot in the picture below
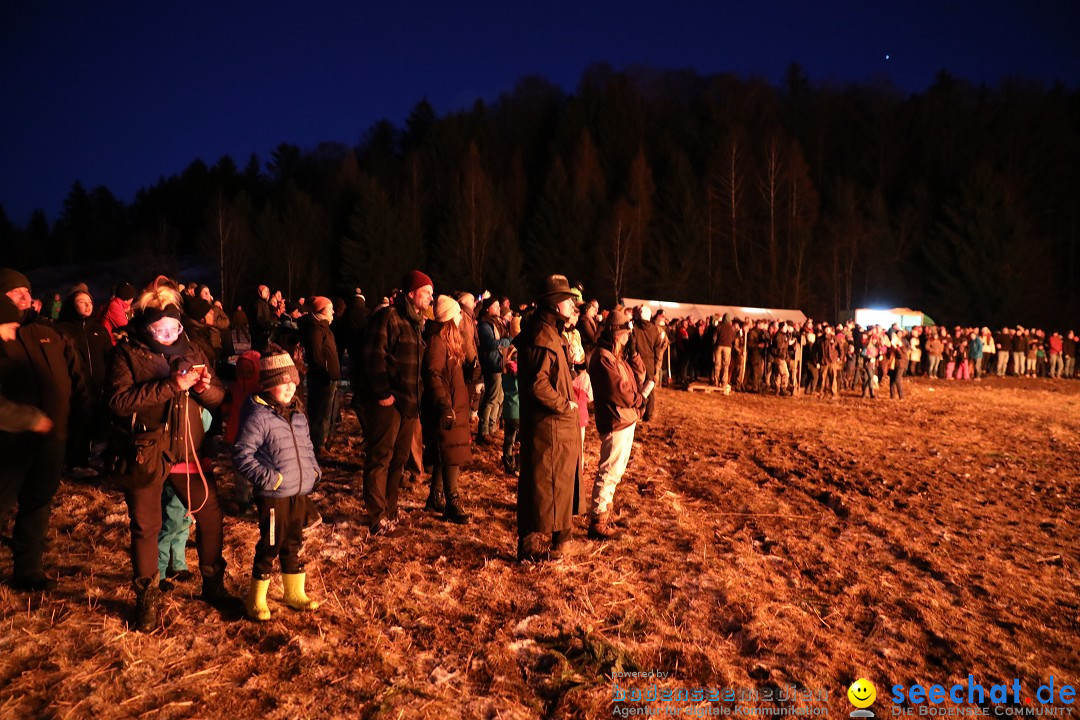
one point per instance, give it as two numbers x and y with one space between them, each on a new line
534 547
294 592
455 512
147 604
600 527
255 606
436 501
564 546
214 591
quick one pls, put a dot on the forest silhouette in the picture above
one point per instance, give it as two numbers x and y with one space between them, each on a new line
960 200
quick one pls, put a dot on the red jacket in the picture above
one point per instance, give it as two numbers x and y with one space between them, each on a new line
114 317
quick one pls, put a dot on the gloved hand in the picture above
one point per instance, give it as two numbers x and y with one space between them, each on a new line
446 422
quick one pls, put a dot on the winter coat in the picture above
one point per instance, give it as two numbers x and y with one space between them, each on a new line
114 318
616 390
916 350
590 334
273 449
511 394
140 394
320 350
41 368
392 357
207 337
91 341
650 346
444 393
550 488
778 347
350 328
492 343
725 334
263 322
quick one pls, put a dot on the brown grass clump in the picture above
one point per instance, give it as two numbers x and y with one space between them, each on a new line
770 543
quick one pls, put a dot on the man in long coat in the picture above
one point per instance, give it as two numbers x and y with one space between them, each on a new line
550 487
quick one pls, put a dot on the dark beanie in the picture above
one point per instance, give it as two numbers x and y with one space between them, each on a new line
486 305
125 291
414 280
9 312
276 367
12 279
197 308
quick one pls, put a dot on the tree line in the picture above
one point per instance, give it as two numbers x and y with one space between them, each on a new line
960 200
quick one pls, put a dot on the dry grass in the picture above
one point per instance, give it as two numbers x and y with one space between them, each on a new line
772 542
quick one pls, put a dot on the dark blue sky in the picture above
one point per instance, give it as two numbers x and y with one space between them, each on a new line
119 93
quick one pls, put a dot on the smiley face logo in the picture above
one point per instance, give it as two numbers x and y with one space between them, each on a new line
862 694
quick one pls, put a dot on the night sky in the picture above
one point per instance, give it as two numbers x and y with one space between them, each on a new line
120 93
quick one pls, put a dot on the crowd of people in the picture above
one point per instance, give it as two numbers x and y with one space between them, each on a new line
821 359
149 387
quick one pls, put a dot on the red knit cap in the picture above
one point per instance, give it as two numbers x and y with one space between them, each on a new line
414 280
319 303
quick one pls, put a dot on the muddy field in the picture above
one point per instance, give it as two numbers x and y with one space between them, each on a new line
770 543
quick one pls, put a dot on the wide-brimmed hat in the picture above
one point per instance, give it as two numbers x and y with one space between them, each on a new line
555 289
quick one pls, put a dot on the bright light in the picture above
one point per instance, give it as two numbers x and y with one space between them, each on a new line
867 317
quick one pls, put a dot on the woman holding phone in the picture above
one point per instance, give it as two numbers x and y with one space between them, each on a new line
158 383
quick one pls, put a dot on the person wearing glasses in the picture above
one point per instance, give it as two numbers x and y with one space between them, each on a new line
158 384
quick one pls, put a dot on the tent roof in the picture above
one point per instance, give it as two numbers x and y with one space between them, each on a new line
701 311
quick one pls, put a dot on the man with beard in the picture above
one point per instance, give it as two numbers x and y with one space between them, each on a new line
389 393
550 488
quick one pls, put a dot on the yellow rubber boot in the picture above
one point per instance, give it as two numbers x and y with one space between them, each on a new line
255 601
294 592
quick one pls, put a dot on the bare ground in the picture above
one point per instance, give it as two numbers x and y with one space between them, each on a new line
771 542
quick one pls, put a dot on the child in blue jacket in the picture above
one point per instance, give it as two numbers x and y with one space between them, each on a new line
273 451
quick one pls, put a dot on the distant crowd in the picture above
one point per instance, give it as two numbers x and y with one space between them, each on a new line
147 388
818 358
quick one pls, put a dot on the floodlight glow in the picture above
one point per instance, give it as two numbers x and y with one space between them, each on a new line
867 317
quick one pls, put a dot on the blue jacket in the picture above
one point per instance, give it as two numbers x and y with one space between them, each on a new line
491 346
274 455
